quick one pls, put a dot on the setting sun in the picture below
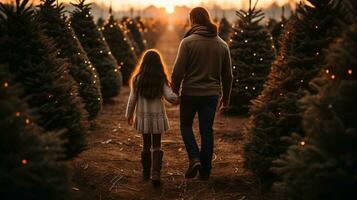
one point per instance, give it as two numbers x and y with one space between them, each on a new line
170 9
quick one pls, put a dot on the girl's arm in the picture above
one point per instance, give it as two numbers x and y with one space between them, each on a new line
170 96
133 98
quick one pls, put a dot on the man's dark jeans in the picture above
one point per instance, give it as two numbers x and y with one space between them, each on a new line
206 107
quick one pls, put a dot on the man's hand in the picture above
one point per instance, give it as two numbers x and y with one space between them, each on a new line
130 121
223 105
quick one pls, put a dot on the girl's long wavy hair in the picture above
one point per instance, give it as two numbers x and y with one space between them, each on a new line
150 75
201 16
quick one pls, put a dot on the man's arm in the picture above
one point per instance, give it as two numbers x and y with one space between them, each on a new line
179 67
227 78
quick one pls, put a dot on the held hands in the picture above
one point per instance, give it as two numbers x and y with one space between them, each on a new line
176 101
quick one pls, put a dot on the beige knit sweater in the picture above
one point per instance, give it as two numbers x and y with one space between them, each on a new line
150 114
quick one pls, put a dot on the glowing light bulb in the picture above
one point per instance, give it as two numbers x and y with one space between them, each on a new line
349 71
18 114
302 143
27 121
6 84
333 77
24 161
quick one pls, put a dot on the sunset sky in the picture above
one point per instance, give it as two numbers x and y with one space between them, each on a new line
170 4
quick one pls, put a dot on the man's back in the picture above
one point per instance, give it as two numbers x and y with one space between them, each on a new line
202 64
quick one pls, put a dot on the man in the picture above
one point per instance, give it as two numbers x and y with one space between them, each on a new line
203 72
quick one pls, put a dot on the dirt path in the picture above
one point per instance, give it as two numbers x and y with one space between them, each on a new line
110 168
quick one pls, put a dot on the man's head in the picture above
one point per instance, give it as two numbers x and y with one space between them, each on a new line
200 16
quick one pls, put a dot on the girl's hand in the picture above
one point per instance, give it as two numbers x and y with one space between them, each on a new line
130 121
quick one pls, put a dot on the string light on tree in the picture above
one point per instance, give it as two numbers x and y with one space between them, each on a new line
24 161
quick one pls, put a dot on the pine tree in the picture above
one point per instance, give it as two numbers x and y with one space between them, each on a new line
119 45
53 22
252 55
30 166
276 29
33 60
275 113
97 49
323 165
225 29
100 22
135 34
153 31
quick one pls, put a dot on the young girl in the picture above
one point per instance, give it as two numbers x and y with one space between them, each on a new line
149 85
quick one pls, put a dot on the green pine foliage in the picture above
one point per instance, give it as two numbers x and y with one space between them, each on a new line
134 32
30 166
152 31
97 49
252 54
33 60
225 29
276 29
120 46
323 164
100 22
275 113
55 26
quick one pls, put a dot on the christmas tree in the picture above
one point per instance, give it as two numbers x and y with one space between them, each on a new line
225 29
252 55
275 113
120 46
97 49
323 164
153 29
276 29
135 34
100 22
54 24
30 159
33 60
